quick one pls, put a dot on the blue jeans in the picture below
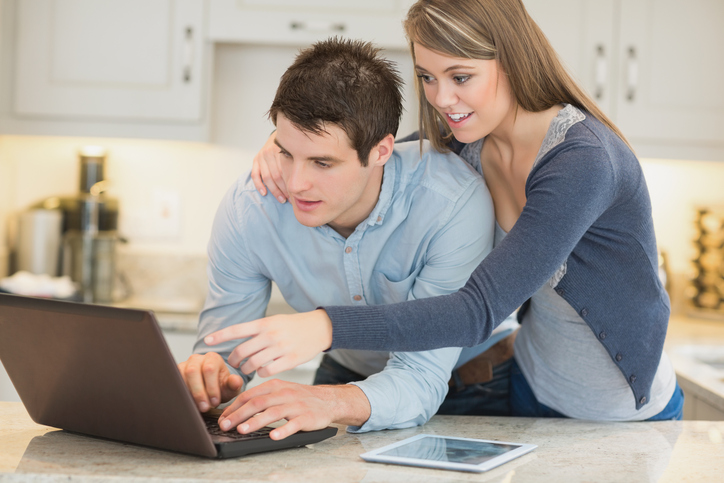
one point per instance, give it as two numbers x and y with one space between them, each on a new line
484 399
523 402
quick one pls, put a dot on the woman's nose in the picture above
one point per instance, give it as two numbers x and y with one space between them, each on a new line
445 96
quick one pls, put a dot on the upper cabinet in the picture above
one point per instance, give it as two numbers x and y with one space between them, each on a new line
671 84
656 67
299 23
110 59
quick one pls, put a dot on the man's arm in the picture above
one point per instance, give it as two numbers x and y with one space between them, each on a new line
413 385
237 293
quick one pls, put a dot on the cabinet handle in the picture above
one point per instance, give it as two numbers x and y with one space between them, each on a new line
188 55
601 72
632 74
318 26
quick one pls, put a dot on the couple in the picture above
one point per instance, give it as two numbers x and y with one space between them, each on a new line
376 233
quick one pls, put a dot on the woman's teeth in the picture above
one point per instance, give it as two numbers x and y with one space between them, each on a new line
458 117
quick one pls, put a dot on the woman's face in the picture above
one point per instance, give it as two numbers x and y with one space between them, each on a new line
473 96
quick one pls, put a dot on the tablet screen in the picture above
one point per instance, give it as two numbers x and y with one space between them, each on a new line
452 450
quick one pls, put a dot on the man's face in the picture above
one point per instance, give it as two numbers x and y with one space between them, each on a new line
326 182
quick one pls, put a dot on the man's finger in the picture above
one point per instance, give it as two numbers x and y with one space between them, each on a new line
292 426
230 386
195 382
210 370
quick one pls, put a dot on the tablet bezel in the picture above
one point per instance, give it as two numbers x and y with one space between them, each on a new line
375 456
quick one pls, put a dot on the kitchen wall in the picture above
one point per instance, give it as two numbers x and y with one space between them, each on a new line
143 173
196 175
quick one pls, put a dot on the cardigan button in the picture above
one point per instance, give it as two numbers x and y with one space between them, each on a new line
584 312
632 378
619 357
642 400
560 292
602 335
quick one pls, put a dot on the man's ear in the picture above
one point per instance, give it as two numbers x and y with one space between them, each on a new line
382 151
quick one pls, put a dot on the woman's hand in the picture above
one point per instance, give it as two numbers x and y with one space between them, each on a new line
266 171
277 343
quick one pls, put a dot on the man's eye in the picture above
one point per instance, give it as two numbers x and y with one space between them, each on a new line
285 154
322 164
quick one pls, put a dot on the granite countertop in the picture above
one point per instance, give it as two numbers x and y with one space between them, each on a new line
690 342
568 450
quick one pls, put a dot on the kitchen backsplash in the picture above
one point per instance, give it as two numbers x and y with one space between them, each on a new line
165 283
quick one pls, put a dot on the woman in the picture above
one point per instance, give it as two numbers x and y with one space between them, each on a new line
575 246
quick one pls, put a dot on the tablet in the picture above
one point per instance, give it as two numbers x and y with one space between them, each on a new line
449 453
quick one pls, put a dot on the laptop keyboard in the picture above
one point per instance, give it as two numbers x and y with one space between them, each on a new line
212 426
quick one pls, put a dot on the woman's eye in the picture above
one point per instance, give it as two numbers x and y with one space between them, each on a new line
425 78
461 79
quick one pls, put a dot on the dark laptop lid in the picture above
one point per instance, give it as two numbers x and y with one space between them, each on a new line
100 371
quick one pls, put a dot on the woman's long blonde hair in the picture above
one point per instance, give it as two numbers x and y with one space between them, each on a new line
501 30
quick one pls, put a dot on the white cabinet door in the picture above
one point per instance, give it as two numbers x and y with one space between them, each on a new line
582 33
671 87
110 59
302 22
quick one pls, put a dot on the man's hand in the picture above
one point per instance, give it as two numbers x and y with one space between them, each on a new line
305 408
277 343
266 170
209 380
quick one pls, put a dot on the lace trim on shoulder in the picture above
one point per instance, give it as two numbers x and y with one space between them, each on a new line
471 155
558 276
567 117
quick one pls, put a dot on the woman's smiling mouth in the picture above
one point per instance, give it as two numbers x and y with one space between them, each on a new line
457 117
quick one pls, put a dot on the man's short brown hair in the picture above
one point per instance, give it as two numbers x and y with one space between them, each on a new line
345 83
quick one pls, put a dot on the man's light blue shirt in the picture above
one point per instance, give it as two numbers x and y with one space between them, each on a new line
432 225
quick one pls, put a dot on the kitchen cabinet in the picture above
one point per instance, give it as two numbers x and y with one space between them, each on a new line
112 61
656 67
299 23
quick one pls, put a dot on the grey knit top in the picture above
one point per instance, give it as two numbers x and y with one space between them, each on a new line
587 209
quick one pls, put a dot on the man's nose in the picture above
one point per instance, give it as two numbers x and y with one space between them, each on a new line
299 177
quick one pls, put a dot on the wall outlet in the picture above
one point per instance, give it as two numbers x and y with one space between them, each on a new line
160 221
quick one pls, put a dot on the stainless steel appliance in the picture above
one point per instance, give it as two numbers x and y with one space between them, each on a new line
75 235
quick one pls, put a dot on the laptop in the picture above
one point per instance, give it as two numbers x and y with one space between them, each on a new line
107 372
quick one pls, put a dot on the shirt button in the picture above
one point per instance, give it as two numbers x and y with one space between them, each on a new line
379 219
619 357
348 250
602 335
632 379
357 297
642 400
584 312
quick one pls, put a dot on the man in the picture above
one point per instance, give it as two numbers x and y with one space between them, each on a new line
368 222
